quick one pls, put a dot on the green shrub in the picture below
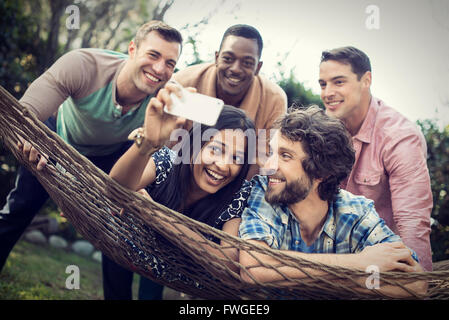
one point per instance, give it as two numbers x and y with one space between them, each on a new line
438 163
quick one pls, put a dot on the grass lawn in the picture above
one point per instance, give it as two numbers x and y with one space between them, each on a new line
39 273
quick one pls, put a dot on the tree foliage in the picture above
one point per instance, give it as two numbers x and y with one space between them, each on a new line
19 49
296 93
438 163
17 68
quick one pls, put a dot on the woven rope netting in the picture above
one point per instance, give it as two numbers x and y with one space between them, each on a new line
91 200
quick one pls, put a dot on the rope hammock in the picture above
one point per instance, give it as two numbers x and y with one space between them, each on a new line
89 199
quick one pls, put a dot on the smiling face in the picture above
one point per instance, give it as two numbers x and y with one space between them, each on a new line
221 161
287 182
153 62
343 94
237 65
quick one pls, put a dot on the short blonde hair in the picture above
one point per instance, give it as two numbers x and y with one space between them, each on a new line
164 30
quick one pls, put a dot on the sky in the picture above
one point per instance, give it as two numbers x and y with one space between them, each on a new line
406 40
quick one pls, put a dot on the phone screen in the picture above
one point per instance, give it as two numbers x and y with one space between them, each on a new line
196 107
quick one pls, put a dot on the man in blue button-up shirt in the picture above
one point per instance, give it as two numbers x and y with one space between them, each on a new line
298 207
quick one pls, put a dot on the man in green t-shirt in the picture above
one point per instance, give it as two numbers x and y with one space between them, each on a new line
99 97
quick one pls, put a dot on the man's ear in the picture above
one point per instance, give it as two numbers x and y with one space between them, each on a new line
216 57
316 183
132 49
259 65
366 79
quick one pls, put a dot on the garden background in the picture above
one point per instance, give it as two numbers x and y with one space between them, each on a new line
34 33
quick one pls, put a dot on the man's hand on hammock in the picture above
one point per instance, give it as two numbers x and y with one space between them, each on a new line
31 154
158 124
394 256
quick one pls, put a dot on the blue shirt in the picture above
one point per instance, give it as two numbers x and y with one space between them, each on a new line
352 224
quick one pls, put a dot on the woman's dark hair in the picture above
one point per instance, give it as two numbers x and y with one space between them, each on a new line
327 143
174 191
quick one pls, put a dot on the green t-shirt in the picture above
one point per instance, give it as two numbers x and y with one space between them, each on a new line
83 84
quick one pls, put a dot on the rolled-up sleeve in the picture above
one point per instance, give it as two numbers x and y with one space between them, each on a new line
254 228
259 218
373 230
411 195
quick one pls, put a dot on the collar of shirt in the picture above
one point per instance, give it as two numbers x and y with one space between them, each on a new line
366 130
117 112
119 109
329 227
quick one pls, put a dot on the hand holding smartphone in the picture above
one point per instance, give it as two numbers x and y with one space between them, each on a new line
196 107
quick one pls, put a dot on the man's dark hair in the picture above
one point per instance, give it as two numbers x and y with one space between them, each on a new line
164 30
327 143
245 31
356 58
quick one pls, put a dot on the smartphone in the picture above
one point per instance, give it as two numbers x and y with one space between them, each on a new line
196 107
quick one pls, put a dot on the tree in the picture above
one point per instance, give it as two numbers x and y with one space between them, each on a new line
438 164
108 24
17 69
18 52
297 94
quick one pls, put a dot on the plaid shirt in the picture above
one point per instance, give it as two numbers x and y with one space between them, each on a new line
352 224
